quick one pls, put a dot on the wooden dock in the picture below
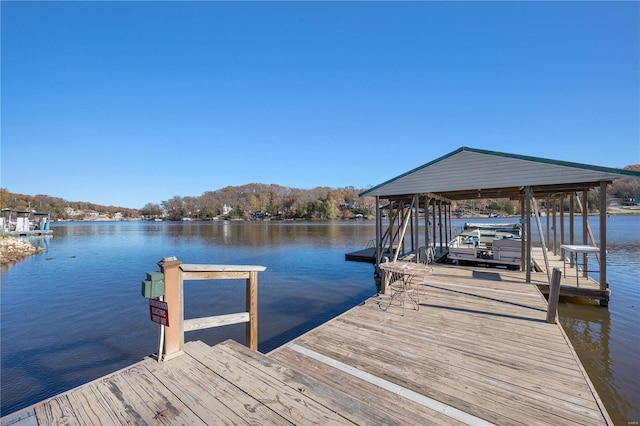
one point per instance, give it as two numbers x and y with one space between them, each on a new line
476 351
570 286
583 287
367 255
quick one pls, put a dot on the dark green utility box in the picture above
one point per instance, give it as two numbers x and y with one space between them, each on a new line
153 286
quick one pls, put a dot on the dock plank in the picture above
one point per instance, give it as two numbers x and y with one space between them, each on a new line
91 406
477 369
291 404
353 409
438 347
213 399
431 337
59 411
391 365
408 412
143 399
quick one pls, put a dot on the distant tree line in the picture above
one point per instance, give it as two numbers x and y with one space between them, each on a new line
246 201
58 208
260 201
627 188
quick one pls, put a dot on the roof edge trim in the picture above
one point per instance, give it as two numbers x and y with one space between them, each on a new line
621 172
614 170
363 194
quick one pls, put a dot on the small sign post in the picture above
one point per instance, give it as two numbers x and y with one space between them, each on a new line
159 312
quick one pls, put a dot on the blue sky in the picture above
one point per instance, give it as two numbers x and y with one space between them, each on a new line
126 103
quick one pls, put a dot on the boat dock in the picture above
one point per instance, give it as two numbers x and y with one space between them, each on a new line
475 350
574 283
24 223
368 255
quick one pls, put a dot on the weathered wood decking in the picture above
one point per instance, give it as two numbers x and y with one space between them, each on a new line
479 344
584 287
477 351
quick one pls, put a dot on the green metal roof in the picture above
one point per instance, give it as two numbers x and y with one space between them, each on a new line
465 170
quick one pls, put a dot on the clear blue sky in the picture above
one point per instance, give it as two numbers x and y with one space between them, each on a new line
125 103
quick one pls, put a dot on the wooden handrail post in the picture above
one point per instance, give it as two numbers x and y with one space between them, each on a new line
384 279
384 283
252 309
554 295
173 334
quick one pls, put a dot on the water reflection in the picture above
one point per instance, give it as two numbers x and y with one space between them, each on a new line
90 278
589 329
79 305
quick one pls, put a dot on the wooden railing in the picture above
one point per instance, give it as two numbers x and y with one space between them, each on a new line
176 273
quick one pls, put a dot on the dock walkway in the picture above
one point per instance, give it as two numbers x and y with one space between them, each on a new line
476 351
582 287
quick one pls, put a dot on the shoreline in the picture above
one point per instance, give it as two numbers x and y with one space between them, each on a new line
12 250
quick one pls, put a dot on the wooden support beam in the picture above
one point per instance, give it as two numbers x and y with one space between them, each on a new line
215 321
555 227
440 222
544 248
524 263
554 296
384 280
527 212
378 231
562 225
446 224
585 226
548 217
415 235
403 230
252 309
427 245
604 283
433 219
173 334
572 212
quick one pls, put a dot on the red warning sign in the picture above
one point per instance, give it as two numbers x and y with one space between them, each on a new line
159 312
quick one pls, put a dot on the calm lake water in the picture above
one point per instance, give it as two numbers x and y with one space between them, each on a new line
75 313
